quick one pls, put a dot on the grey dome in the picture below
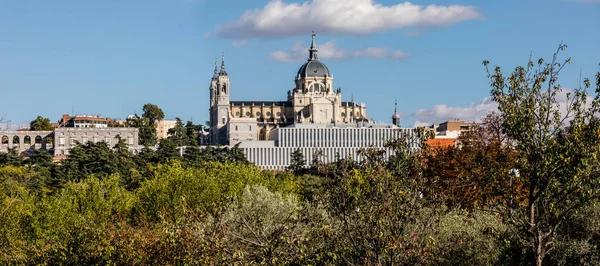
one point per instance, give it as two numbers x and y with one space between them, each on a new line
313 68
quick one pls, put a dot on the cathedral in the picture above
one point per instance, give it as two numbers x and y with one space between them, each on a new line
313 100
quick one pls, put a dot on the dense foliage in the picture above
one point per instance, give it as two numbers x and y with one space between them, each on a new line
519 189
40 123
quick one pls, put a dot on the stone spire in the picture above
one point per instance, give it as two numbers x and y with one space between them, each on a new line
312 51
396 116
223 72
215 74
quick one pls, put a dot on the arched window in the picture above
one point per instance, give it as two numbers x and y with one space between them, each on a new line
38 140
222 120
317 87
262 135
48 140
236 128
27 140
16 140
4 140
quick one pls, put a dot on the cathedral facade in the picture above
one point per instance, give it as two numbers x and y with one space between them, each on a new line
313 100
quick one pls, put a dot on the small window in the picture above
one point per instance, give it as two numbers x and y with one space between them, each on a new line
236 128
269 114
237 113
257 113
223 120
248 114
278 113
250 128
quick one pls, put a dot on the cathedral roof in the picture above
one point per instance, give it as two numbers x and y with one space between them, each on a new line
313 67
260 103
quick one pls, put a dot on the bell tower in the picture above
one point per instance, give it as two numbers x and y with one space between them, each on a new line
219 108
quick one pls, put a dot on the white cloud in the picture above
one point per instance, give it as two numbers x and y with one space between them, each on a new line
298 53
442 112
349 17
239 42
476 111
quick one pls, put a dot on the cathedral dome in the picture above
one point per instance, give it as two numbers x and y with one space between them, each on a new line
313 67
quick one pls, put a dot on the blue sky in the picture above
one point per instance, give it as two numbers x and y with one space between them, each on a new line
111 57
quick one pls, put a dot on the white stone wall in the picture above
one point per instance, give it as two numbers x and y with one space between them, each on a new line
331 141
66 138
242 129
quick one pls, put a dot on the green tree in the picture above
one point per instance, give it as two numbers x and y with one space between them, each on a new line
167 150
39 158
147 132
194 156
40 123
383 218
153 113
10 158
89 159
297 163
560 145
269 228
192 133
146 123
463 238
178 134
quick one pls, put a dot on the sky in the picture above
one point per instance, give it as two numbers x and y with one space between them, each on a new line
111 57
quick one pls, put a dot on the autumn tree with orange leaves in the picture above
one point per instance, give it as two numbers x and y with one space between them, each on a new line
478 171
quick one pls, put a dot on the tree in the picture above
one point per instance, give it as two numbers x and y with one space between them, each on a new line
87 159
178 134
167 150
268 228
560 142
383 219
297 163
40 123
40 158
192 133
147 132
10 158
146 124
153 113
4 123
478 170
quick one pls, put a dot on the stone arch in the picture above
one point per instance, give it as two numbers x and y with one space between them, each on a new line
16 140
317 87
27 140
263 134
38 139
4 139
48 139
